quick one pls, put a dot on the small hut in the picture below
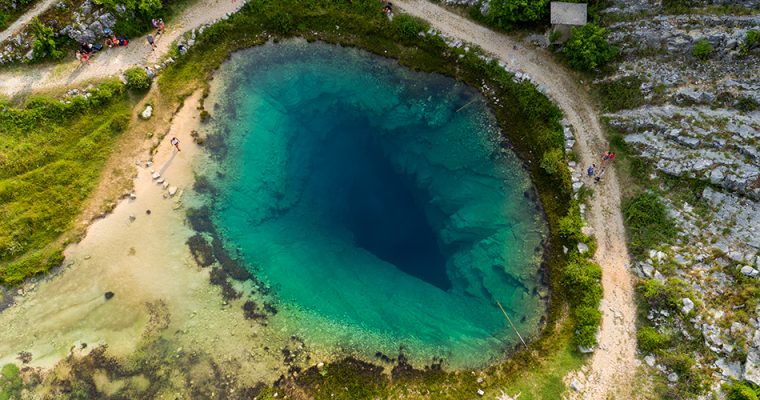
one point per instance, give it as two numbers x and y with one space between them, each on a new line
564 16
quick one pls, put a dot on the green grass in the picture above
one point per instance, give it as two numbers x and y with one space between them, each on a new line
52 155
648 222
620 94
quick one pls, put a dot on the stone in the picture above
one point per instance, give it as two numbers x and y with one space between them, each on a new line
172 190
585 350
673 377
582 248
649 360
752 366
729 369
749 271
156 175
481 392
575 385
165 185
688 305
109 295
147 112
647 269
160 180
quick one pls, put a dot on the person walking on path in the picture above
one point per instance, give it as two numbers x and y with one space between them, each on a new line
175 143
599 176
151 42
591 170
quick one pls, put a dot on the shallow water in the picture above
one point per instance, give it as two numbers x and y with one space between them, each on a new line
381 212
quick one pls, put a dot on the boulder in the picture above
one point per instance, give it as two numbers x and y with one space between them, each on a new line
688 305
749 271
147 112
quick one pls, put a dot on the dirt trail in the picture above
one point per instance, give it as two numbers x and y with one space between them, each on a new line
614 363
111 62
24 19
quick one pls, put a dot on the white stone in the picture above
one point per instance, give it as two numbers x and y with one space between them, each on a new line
650 360
481 392
729 369
673 377
585 350
688 305
147 112
575 385
172 190
752 366
749 271
582 248
156 175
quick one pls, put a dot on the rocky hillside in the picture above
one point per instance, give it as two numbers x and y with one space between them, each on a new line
684 97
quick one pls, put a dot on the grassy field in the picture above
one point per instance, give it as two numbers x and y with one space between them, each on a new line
52 155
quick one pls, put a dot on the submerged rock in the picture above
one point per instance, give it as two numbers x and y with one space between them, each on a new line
109 295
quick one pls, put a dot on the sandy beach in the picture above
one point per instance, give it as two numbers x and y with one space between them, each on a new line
137 252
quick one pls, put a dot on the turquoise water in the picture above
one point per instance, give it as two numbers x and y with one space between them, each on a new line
379 214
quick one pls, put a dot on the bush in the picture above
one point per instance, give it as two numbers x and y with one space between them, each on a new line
648 222
506 13
621 94
650 340
10 382
45 44
702 49
588 48
408 27
581 278
738 390
137 79
553 161
752 38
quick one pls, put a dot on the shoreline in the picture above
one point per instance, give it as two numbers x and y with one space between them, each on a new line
157 287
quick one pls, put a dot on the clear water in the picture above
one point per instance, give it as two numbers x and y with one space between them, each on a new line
380 215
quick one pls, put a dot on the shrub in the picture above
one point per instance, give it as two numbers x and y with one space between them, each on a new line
506 13
44 44
10 382
752 38
621 94
702 49
650 340
137 79
738 390
647 221
553 161
408 27
588 48
581 278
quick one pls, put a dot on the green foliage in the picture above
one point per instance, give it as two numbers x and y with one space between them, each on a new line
10 382
747 104
588 48
45 44
621 94
677 6
702 49
648 222
137 79
137 16
409 27
741 390
650 340
553 161
53 153
752 39
506 13
663 295
581 278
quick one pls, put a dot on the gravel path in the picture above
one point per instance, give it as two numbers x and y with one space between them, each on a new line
113 61
614 363
24 19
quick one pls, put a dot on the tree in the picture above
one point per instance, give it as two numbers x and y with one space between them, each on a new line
505 13
588 48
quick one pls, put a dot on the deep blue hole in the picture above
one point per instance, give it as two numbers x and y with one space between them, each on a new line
379 206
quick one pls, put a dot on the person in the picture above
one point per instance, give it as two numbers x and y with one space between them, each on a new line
161 26
599 177
175 143
606 156
123 41
591 170
154 22
110 42
85 58
612 157
151 42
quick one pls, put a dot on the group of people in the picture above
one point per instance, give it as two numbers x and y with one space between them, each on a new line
607 158
86 50
158 25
